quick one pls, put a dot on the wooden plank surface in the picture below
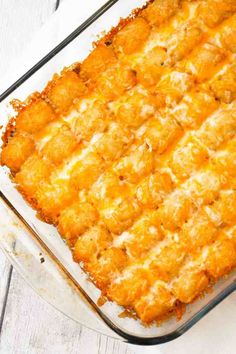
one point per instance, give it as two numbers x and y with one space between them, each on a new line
32 326
5 280
27 323
20 19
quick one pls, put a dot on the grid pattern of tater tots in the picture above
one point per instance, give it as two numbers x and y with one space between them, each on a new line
132 156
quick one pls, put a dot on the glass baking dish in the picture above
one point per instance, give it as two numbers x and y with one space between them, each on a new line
34 247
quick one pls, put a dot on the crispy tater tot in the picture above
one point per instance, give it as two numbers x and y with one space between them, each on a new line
18 149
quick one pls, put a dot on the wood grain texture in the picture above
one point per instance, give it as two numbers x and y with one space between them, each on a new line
32 326
20 19
5 280
4 273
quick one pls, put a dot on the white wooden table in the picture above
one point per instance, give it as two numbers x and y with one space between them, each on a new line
27 323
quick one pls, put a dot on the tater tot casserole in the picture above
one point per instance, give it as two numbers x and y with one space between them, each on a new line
131 154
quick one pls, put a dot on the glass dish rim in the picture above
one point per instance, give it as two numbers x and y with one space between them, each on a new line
132 339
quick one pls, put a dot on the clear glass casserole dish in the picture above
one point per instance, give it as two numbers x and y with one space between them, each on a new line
34 247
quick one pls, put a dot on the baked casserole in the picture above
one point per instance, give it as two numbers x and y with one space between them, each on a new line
131 154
